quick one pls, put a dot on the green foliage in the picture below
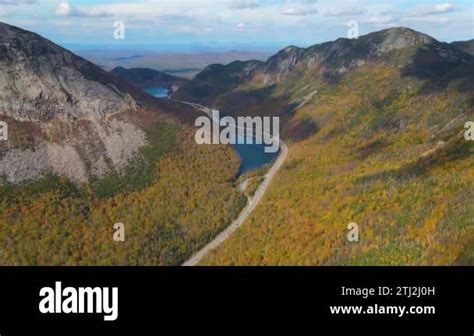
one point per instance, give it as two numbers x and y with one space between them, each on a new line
253 185
141 170
27 191
184 199
376 161
467 256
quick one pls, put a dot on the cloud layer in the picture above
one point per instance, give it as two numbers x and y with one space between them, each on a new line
297 21
65 9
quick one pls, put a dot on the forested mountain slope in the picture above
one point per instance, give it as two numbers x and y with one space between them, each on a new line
87 150
144 77
376 137
466 46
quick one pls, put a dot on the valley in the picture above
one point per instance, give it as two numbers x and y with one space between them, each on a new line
159 156
395 161
372 132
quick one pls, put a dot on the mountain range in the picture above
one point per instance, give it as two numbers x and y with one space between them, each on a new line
374 127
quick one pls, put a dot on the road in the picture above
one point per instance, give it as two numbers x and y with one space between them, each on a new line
251 205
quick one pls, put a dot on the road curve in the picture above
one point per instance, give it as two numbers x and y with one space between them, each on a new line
244 214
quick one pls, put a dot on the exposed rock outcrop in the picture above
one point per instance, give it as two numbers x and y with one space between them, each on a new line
72 101
40 80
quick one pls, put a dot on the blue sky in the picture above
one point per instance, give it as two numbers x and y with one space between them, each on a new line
227 23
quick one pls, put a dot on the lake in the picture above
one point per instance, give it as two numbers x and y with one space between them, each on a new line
158 92
252 156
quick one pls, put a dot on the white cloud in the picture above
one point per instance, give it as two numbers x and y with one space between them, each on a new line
65 9
380 19
300 9
17 2
427 19
227 19
423 14
441 8
345 11
244 4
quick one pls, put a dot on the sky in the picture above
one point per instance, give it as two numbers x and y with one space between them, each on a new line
232 24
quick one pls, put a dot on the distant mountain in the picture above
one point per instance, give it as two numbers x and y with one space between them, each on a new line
466 46
143 77
186 63
216 80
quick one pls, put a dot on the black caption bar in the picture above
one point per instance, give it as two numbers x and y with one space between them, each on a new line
128 300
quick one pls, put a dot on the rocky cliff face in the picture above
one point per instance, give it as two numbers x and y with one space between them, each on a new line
344 54
40 81
70 102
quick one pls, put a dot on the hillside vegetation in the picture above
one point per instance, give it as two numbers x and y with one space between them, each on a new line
387 151
87 150
173 199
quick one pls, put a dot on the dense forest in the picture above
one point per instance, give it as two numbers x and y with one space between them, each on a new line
394 161
172 198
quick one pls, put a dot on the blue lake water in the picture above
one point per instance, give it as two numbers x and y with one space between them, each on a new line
252 156
159 92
